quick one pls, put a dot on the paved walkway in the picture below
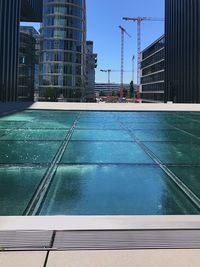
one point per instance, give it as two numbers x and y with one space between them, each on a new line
125 258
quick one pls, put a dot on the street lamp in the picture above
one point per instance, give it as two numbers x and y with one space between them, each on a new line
108 71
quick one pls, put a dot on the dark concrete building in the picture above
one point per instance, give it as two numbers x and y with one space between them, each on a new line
27 62
182 51
91 64
31 10
11 12
36 35
153 71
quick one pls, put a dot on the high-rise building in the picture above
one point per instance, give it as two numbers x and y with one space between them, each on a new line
153 71
182 51
91 64
63 54
11 12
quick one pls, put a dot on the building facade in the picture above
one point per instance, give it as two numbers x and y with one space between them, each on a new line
11 12
182 51
28 62
32 31
91 64
153 71
101 89
63 54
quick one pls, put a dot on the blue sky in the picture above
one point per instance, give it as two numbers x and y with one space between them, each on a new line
103 19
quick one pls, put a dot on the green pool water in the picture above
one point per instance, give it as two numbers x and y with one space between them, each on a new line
99 163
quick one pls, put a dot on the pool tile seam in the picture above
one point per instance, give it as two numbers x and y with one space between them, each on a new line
189 119
45 165
184 131
181 185
10 130
35 205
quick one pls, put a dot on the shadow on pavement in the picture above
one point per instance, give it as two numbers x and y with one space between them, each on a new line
7 107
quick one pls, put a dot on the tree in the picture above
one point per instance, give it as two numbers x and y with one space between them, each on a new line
50 94
113 93
131 90
125 92
102 93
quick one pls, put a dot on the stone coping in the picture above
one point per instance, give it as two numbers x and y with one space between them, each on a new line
115 106
84 223
12 107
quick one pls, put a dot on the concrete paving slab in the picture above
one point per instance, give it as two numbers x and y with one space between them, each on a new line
22 259
136 258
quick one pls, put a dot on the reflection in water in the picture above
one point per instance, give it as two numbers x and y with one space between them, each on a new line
18 185
114 190
104 152
24 152
189 175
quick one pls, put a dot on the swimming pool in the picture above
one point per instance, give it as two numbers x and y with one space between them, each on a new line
99 163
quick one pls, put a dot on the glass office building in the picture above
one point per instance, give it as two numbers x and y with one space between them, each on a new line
153 71
63 44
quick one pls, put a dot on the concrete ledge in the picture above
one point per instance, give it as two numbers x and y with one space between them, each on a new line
115 106
71 223
11 107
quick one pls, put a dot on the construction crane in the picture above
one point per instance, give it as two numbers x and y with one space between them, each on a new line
139 20
109 74
123 32
133 69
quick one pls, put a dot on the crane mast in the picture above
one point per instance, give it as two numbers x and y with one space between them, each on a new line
139 21
123 32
